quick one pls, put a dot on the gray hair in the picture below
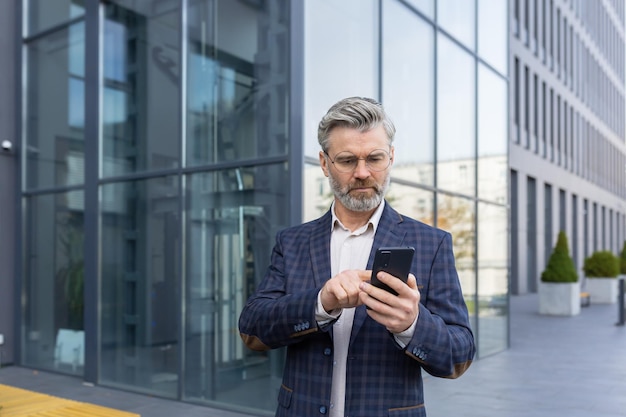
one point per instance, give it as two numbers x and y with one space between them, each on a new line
360 113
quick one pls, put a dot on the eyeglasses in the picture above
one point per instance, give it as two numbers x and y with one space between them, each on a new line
377 160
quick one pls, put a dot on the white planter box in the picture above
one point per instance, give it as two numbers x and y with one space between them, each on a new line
559 299
602 290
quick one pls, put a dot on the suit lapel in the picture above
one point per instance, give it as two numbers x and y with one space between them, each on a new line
388 233
319 249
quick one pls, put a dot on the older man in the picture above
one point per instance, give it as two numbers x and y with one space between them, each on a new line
354 349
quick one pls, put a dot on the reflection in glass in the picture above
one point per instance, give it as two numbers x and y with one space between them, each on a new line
455 119
53 283
457 216
408 90
236 96
141 87
493 303
44 14
492 136
340 58
231 220
140 263
411 201
493 33
54 120
457 18
317 195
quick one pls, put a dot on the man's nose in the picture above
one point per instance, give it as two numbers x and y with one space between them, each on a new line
361 170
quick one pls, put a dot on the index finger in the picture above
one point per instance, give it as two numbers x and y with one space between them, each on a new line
365 275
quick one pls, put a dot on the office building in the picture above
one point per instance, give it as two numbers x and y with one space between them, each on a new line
567 148
159 145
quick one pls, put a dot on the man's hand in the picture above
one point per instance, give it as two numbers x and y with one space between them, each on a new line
396 313
342 290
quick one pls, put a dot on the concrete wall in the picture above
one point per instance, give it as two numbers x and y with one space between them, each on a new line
7 180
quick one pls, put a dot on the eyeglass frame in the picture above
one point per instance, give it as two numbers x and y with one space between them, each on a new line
359 159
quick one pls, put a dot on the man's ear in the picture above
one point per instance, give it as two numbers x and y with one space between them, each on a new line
324 163
392 154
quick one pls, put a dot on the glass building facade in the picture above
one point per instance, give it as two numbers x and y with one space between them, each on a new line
165 142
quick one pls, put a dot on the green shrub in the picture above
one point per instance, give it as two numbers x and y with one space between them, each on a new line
622 260
601 264
560 266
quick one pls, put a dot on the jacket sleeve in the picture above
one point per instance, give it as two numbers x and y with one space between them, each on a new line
443 342
281 312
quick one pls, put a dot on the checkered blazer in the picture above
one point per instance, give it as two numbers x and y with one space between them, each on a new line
382 378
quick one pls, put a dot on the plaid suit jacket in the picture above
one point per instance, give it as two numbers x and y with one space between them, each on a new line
382 378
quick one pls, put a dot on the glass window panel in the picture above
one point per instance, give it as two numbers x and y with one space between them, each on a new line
141 87
425 6
53 283
76 97
115 58
457 18
317 196
492 136
493 33
237 81
455 119
44 14
340 58
493 302
457 216
140 264
412 201
76 49
231 220
54 119
408 90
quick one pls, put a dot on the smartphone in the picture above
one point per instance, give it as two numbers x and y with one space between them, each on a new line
393 260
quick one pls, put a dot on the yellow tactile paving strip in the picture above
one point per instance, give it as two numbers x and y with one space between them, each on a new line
16 402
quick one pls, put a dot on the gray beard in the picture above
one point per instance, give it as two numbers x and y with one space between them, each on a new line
359 204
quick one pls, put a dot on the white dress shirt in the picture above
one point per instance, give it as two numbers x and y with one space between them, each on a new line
348 250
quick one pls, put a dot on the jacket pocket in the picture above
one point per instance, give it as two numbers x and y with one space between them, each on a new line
415 411
284 396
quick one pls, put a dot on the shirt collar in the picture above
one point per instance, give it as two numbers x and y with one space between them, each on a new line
373 221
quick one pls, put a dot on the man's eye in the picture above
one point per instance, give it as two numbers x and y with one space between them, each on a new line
346 161
375 158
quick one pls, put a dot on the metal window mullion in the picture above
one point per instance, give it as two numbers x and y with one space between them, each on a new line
93 68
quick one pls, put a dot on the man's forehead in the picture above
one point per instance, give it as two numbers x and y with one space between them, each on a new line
350 135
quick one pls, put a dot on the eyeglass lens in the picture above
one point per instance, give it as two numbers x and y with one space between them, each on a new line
377 160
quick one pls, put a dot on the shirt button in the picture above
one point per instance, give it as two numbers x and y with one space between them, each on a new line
327 352
323 409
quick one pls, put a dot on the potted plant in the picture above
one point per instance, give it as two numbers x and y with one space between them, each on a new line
602 269
559 289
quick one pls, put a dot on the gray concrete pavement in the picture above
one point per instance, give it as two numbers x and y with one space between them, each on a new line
555 367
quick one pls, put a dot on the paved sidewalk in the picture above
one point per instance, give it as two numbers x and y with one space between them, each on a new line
556 367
